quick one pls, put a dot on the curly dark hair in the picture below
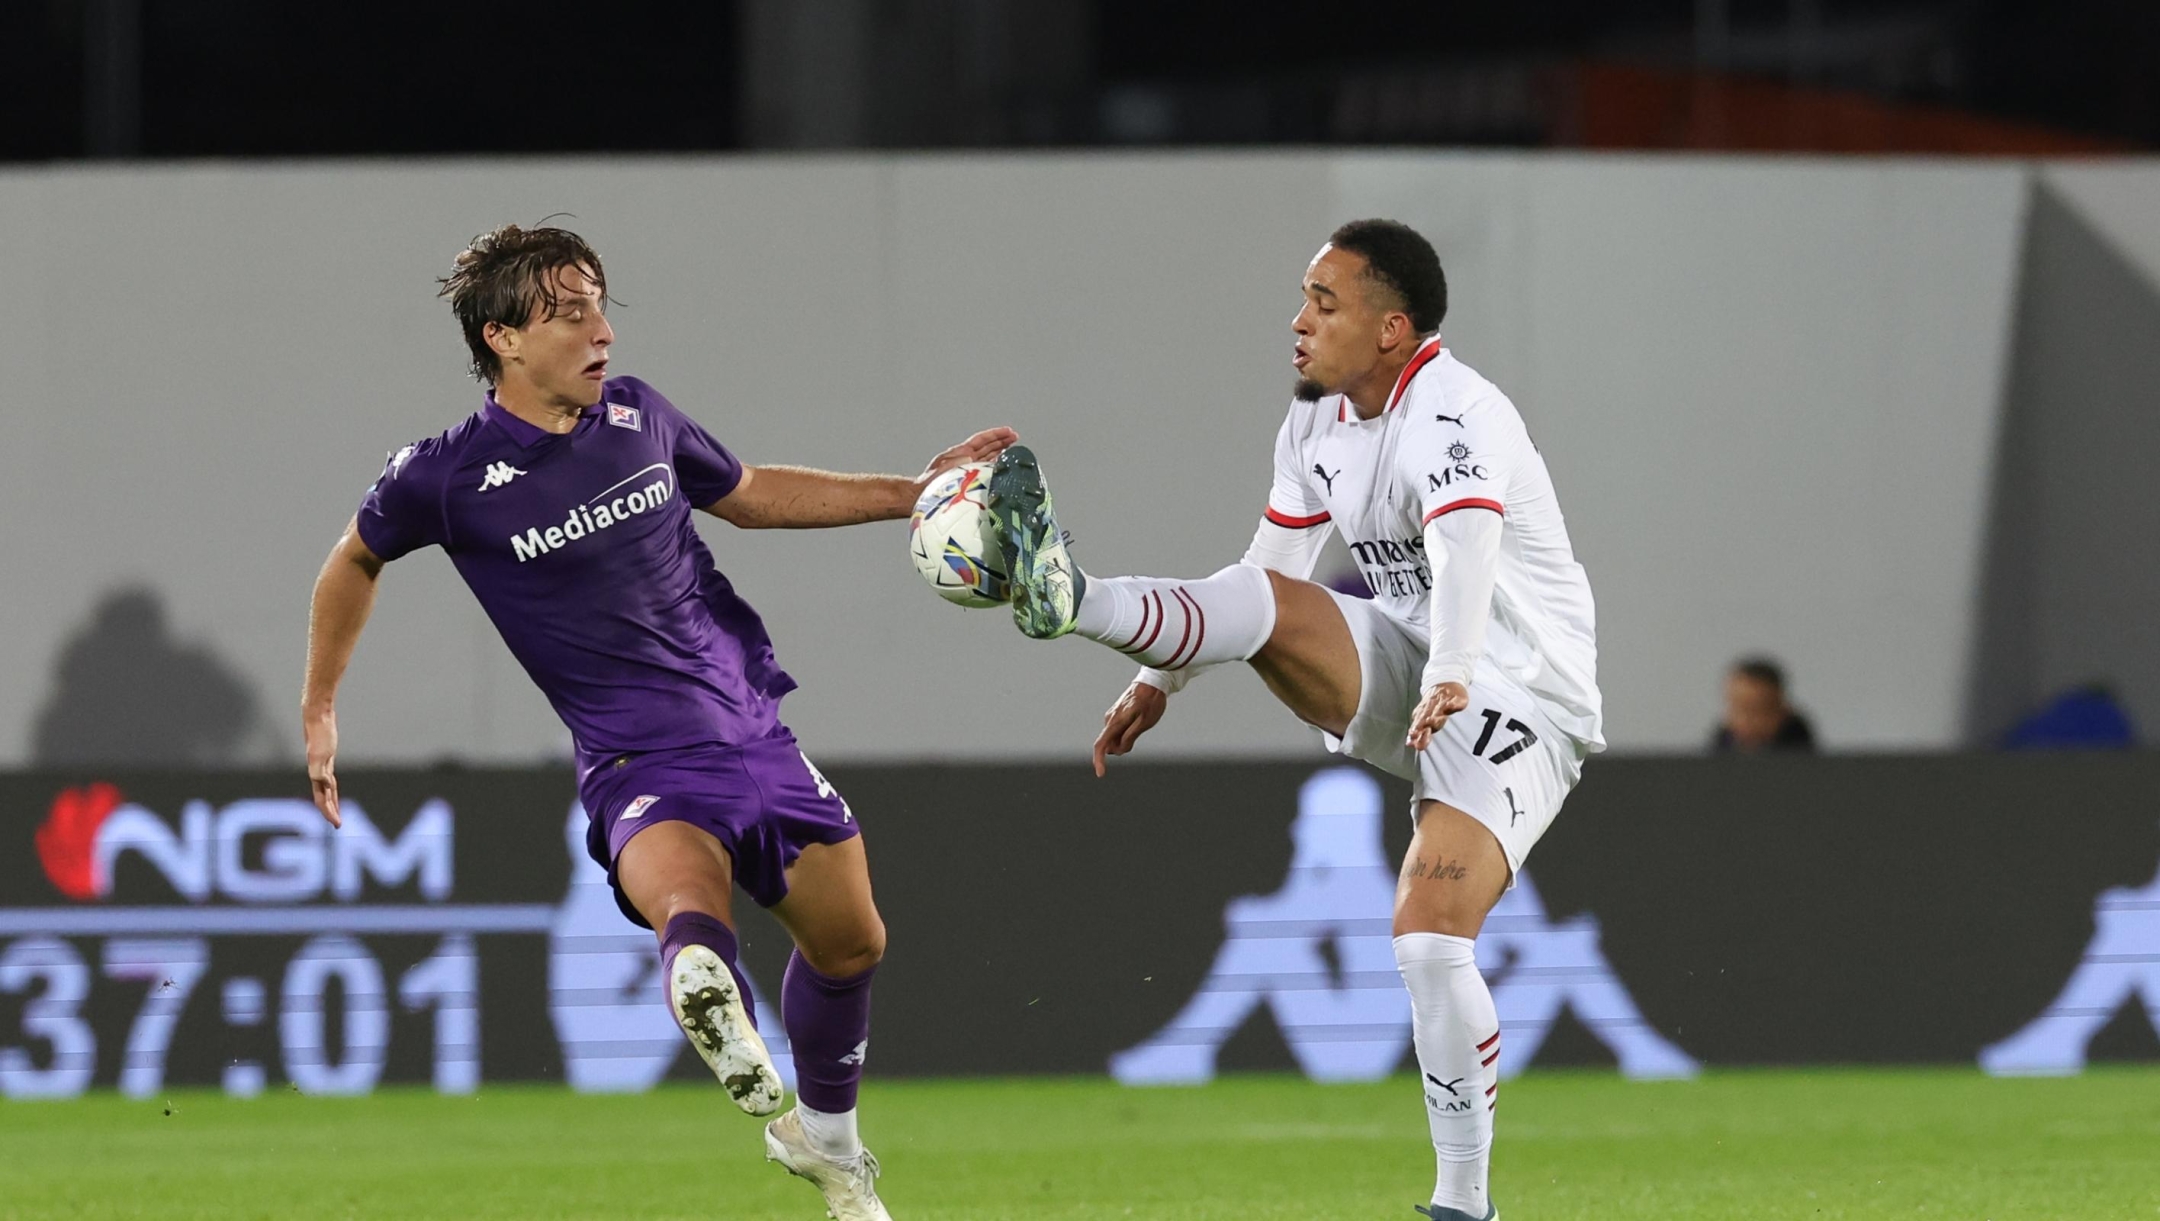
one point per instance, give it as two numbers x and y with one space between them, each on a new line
1401 261
503 275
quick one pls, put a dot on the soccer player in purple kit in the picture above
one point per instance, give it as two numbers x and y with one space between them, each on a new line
565 504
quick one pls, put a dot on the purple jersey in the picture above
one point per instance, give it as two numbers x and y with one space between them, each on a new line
581 549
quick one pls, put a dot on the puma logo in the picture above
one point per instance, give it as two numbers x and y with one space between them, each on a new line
1514 815
1449 1086
1456 420
1326 478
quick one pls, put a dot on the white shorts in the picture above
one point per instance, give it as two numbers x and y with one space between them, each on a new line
1501 760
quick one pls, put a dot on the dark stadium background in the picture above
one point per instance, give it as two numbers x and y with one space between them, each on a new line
250 78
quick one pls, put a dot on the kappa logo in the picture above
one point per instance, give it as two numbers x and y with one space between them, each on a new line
1319 955
826 790
624 417
498 474
2120 969
860 1054
637 807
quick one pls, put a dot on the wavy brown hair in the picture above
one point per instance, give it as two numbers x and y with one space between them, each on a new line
506 274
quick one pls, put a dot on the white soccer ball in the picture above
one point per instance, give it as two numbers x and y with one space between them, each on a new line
952 541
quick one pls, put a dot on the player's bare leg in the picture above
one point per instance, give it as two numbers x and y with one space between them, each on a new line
1307 659
1452 876
681 880
1310 660
825 1003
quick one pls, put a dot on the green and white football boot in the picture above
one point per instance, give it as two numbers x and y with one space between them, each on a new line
1046 585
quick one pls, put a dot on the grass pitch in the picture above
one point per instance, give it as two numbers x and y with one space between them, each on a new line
1732 1146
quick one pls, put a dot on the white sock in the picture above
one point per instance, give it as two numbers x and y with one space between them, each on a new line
833 1136
1458 1049
1174 624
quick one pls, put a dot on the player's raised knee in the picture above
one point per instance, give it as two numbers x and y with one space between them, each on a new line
845 958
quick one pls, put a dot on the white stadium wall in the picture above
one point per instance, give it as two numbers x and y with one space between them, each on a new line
1769 391
2072 579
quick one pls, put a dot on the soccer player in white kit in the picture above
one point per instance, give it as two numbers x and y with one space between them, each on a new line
1471 671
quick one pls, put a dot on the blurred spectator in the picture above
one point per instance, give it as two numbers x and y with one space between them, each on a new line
127 692
2088 718
1757 716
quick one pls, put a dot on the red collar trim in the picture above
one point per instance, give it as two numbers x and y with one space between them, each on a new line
1425 356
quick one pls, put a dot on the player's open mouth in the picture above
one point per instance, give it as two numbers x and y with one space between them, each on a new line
597 369
1300 358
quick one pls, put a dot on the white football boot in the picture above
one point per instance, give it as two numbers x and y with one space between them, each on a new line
850 1187
711 1009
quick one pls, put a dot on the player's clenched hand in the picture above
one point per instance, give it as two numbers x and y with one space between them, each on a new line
1433 711
981 447
1134 714
321 734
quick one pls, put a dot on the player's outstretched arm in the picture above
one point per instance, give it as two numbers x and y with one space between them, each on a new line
799 498
344 594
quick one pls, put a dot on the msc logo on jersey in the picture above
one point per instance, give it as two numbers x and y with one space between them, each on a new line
624 417
1463 468
498 474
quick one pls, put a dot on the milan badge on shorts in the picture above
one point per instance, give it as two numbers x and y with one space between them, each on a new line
638 807
623 417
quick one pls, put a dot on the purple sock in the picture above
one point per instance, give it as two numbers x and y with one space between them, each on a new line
828 1028
697 928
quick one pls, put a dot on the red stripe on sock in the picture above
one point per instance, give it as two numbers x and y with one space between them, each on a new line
1487 1061
1185 605
1489 1042
1136 631
1179 594
1490 1088
1142 647
1193 609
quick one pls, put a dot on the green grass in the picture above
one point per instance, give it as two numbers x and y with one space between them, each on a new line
1731 1146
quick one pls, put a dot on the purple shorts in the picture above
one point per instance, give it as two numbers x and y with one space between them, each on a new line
764 801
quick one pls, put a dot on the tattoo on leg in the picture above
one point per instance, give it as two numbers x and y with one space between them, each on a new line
1439 869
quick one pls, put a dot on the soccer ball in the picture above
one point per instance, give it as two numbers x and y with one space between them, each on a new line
953 542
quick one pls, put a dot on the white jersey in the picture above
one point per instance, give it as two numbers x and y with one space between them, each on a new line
1449 441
